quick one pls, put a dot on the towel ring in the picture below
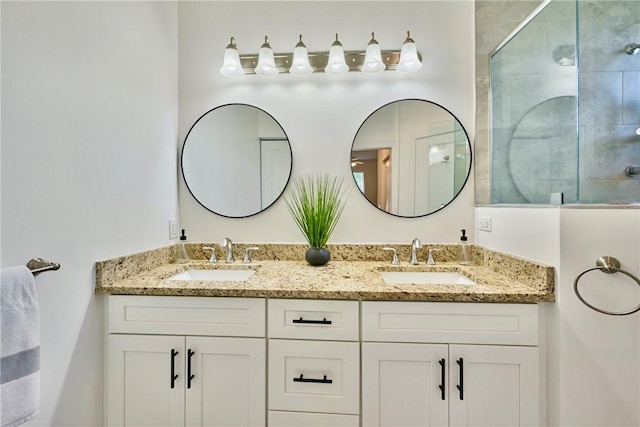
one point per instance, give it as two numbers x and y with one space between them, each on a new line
608 265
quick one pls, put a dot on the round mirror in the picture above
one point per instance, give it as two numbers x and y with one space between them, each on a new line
236 160
411 158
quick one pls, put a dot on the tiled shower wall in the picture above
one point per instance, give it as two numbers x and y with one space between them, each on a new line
609 100
494 20
609 106
533 94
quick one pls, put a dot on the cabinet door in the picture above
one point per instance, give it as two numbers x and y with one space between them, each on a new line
401 385
500 386
141 389
228 386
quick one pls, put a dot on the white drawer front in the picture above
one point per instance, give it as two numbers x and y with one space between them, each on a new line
307 419
466 323
314 376
187 315
314 319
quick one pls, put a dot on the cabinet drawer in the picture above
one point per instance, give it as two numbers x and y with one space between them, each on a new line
240 317
307 419
314 376
314 319
466 323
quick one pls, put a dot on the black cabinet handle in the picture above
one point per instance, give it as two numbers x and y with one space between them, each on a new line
174 377
301 379
316 322
461 385
190 376
442 378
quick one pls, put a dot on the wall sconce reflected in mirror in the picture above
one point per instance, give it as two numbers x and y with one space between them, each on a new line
336 61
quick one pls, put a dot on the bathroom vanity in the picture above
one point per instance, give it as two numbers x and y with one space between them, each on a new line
295 345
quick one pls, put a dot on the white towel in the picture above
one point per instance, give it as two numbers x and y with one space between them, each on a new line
19 347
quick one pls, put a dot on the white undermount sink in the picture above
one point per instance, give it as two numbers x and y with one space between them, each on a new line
425 278
214 275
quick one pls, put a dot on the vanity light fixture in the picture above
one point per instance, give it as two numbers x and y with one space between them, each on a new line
373 57
336 61
409 59
300 65
266 62
231 65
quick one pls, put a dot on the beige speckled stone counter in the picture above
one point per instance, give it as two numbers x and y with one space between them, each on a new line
522 282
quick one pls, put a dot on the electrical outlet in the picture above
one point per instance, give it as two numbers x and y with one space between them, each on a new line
484 223
173 228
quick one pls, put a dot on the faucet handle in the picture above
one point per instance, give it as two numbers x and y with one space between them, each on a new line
247 254
213 258
430 260
394 261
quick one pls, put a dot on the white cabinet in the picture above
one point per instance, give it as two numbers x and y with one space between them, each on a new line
423 384
189 361
499 385
141 388
314 363
401 385
176 380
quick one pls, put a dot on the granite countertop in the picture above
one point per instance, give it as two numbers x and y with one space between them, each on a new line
525 282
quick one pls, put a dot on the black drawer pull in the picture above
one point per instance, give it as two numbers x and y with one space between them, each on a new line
461 385
301 379
190 376
174 376
442 378
316 322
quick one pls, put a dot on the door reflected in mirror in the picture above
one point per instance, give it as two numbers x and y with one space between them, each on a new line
411 158
236 160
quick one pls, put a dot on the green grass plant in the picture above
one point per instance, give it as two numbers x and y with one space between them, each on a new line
315 202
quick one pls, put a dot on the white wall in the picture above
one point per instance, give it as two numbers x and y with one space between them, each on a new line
321 113
592 360
89 163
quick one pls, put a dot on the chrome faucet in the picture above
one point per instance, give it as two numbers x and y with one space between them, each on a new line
416 244
226 242
394 260
430 260
213 258
247 254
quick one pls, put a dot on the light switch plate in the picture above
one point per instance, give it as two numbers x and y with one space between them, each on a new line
173 228
484 223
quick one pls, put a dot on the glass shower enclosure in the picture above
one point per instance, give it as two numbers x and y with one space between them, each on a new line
565 106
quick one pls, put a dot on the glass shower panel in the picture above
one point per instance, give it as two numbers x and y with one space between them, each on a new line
609 106
565 106
534 108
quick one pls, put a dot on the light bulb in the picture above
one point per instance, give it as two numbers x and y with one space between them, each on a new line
409 60
336 63
373 58
266 63
231 65
300 64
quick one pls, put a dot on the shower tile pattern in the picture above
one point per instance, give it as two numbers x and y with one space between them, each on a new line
537 148
494 20
609 82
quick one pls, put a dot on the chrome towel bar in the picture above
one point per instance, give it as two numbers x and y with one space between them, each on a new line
38 265
608 265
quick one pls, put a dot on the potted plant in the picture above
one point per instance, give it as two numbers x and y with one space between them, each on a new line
315 203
